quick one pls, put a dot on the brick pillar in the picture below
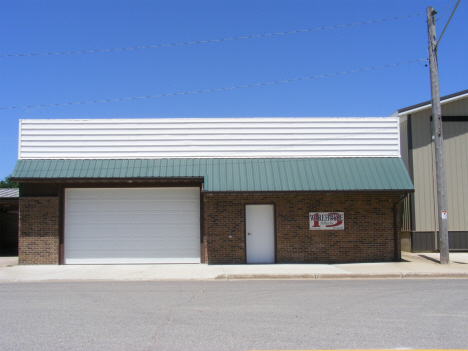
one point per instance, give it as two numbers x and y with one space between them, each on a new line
38 230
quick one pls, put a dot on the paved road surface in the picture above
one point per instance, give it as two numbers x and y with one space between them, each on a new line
235 315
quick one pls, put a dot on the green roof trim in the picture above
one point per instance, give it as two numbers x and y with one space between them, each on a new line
236 174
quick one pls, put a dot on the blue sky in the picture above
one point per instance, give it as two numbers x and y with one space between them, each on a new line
59 26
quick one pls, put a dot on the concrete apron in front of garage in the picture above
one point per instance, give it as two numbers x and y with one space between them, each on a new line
422 265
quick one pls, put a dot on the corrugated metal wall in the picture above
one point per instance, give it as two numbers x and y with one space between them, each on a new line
455 108
423 172
456 173
209 137
456 166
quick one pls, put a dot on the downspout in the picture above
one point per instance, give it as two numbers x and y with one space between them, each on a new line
395 225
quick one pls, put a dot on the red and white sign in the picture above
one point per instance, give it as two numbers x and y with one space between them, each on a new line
326 220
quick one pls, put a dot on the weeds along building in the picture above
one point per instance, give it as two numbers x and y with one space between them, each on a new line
210 190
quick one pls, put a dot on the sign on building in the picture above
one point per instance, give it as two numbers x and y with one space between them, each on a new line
326 220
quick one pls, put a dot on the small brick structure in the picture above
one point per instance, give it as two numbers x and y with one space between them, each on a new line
39 230
368 234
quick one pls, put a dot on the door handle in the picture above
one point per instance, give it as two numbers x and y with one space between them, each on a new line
249 234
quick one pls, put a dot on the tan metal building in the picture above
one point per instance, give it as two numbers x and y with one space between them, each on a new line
420 222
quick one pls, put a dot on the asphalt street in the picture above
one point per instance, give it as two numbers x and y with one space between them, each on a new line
235 315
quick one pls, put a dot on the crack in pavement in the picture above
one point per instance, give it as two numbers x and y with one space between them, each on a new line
171 317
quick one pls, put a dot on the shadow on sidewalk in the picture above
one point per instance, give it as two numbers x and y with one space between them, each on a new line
438 261
429 258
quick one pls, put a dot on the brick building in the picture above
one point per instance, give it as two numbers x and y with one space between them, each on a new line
250 190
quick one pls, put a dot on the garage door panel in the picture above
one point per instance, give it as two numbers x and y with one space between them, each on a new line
141 205
76 206
75 219
189 218
91 219
138 225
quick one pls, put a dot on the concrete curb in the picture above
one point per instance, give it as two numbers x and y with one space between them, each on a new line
414 266
410 275
227 277
436 275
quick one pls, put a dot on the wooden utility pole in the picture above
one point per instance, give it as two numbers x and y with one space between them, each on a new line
438 138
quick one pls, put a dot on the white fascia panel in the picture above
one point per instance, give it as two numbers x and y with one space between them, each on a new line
20 132
209 138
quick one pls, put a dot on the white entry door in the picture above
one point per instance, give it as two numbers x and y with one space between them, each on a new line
260 233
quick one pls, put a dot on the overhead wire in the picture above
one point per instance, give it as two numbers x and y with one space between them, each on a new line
212 40
443 8
446 25
217 89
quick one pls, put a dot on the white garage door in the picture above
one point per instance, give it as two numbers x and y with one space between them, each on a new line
135 225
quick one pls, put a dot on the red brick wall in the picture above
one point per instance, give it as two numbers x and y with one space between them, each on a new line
39 230
368 233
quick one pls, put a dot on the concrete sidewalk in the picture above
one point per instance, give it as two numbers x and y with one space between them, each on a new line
423 265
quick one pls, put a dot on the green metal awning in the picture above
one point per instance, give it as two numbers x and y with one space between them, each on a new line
237 174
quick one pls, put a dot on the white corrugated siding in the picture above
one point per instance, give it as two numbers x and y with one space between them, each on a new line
8 192
209 137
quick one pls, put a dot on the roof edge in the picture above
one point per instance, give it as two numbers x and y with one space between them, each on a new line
279 175
108 179
404 191
426 104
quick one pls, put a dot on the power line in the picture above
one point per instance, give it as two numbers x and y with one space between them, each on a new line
218 89
443 8
443 31
213 40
